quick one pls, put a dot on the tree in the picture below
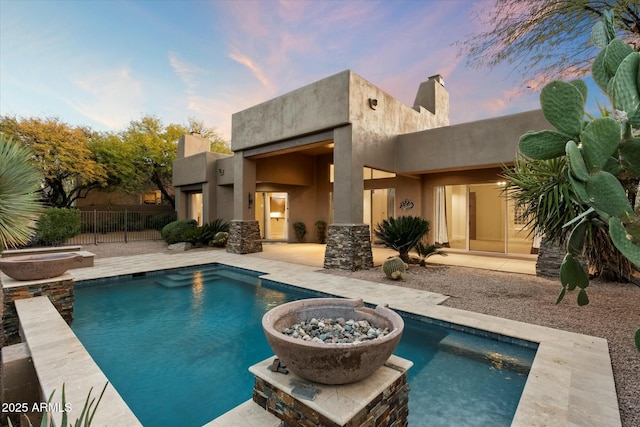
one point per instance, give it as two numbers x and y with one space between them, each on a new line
546 38
19 185
61 152
218 145
153 150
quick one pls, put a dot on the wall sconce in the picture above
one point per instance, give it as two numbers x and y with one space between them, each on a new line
373 103
250 201
221 172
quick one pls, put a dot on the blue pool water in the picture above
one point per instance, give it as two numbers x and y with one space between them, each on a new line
177 347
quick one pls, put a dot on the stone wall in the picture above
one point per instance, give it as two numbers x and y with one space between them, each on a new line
244 237
348 247
59 290
388 409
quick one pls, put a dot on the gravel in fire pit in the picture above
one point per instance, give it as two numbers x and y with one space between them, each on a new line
335 331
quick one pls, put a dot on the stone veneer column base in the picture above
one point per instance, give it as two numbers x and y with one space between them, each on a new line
244 237
348 247
58 289
380 400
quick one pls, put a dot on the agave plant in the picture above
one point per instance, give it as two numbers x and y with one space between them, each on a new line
402 233
19 186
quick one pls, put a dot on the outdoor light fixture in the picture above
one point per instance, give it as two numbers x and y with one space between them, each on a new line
250 200
373 103
221 171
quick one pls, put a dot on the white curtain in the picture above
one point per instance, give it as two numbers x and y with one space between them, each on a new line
440 224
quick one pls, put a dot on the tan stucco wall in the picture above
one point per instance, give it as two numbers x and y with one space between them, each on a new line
483 143
320 105
293 168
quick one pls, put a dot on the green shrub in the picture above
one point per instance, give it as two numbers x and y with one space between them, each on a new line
175 231
56 225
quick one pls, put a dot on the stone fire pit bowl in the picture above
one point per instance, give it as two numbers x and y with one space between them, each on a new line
331 363
36 267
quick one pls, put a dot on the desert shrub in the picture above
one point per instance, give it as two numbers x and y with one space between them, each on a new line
157 222
175 231
56 225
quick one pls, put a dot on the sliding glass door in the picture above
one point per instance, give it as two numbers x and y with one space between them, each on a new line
478 217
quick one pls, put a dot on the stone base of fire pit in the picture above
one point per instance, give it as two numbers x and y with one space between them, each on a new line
381 399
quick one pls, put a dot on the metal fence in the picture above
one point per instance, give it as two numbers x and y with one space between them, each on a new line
120 226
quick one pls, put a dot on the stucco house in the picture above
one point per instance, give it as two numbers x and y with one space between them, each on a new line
343 151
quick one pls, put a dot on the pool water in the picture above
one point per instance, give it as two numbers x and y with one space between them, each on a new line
177 347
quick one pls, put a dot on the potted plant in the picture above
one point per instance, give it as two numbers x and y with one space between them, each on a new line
301 230
321 231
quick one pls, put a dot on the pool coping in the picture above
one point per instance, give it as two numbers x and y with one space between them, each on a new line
571 378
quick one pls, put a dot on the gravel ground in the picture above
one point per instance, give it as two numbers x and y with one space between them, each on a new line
614 311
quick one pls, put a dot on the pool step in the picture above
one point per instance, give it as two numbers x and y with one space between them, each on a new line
476 347
181 279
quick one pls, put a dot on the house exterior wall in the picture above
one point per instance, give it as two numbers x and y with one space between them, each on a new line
195 170
273 152
473 145
320 105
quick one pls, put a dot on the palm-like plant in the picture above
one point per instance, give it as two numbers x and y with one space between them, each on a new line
425 250
542 190
19 185
401 233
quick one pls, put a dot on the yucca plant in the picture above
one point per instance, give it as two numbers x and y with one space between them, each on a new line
19 186
401 233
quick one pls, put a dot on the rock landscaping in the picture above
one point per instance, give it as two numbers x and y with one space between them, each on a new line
335 331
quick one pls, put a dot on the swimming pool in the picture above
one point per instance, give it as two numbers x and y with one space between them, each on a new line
177 346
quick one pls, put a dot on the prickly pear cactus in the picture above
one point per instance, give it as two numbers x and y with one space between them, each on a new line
394 268
603 154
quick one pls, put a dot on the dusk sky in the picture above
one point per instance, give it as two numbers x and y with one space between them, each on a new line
104 63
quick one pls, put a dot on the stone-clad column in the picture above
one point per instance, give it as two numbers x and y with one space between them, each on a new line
58 289
348 239
348 247
244 230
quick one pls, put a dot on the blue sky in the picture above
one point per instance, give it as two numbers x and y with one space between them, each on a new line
105 63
